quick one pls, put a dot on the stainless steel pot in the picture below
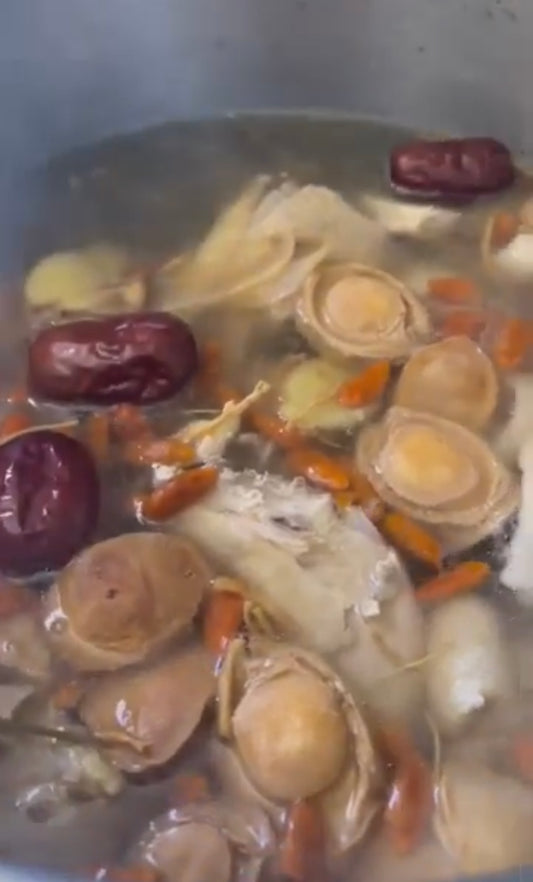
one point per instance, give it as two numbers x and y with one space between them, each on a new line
75 71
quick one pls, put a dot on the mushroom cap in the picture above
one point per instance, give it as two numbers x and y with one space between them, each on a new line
299 733
452 379
292 755
439 473
350 310
122 598
157 708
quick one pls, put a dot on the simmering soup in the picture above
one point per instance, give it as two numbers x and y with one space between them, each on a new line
266 459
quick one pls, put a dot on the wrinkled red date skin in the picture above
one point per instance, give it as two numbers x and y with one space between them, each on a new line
138 358
49 501
461 167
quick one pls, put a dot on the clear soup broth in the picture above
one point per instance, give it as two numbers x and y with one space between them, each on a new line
267 497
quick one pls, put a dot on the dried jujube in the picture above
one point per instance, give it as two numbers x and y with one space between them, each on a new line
456 167
137 358
49 500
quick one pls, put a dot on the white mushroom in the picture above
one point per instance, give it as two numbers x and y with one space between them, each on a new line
439 473
348 310
469 668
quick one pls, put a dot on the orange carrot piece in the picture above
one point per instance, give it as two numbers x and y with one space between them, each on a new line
464 322
97 435
15 599
504 228
129 423
465 577
164 451
522 754
366 496
274 429
178 493
302 850
222 619
14 422
319 469
455 291
512 343
67 696
411 537
366 387
411 793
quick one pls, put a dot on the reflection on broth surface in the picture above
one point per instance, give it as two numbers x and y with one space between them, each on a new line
294 641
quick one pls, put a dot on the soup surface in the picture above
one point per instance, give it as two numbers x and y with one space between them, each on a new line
266 460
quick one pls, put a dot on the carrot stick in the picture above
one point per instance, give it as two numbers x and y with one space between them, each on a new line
522 754
14 422
366 387
222 619
274 429
163 451
504 228
464 322
455 291
178 493
302 851
411 791
97 435
319 469
366 497
463 578
511 344
410 537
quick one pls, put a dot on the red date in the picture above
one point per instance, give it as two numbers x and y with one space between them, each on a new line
139 358
460 168
49 501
